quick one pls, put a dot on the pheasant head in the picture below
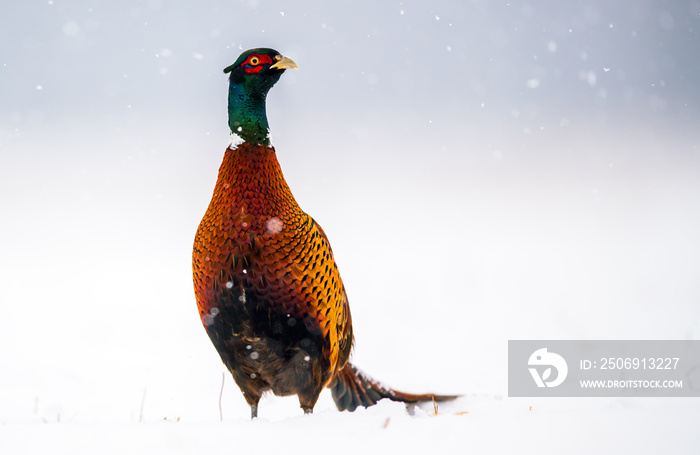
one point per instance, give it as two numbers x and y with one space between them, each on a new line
252 76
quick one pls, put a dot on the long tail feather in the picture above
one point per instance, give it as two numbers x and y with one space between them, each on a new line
352 388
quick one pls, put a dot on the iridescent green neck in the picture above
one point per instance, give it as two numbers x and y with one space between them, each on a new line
246 114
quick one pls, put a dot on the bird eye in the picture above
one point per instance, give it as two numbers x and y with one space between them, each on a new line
254 63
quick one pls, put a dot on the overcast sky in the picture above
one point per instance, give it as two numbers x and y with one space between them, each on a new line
65 58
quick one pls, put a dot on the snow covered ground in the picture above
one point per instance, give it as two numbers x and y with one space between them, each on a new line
492 426
524 173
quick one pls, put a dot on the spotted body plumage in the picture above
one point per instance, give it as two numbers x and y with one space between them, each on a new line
268 288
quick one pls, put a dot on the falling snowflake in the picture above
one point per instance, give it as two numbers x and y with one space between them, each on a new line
274 225
533 83
209 317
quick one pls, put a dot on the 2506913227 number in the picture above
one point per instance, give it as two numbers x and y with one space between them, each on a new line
636 363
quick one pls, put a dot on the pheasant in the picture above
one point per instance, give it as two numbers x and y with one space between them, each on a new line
267 286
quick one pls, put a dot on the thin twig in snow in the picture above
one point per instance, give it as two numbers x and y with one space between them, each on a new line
221 394
143 400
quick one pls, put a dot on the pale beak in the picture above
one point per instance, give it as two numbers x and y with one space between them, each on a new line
285 63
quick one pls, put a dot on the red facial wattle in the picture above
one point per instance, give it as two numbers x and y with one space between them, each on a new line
254 63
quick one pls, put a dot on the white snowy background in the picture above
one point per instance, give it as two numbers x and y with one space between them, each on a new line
485 171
